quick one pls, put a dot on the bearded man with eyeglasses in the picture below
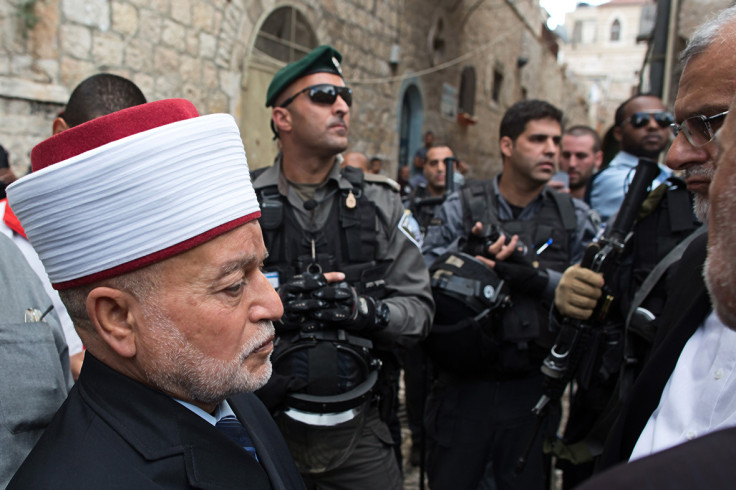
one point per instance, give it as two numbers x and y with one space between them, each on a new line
352 281
686 388
641 127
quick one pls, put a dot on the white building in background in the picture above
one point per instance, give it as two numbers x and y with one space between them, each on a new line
604 48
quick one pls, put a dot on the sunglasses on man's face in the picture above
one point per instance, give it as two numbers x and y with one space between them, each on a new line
324 93
641 119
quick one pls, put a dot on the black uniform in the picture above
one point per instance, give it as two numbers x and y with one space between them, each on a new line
479 425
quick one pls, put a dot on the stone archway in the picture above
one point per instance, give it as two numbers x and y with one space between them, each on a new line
285 36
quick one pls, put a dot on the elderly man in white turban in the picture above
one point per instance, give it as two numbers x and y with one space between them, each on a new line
145 221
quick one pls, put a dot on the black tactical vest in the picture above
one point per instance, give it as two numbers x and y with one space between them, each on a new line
347 242
522 330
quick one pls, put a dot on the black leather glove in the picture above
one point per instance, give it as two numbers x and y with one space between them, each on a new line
296 296
349 310
521 276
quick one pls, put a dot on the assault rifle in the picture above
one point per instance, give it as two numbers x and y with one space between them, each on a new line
563 361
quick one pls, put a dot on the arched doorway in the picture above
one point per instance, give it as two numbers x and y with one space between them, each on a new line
284 36
411 116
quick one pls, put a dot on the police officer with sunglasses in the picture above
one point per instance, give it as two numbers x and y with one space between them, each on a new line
641 128
353 284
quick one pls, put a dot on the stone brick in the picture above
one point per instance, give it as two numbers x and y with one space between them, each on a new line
202 15
168 86
145 83
149 26
92 13
207 46
209 75
21 64
217 103
181 11
43 38
139 55
76 41
190 69
192 43
166 60
192 91
4 65
173 35
161 6
74 71
46 70
124 18
107 49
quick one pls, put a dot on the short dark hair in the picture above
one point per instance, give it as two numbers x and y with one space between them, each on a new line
582 130
100 95
515 119
618 119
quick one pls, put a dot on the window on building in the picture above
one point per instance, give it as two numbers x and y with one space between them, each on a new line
616 30
466 99
577 32
286 35
497 84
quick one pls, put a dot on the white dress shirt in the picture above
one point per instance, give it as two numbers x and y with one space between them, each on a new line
700 396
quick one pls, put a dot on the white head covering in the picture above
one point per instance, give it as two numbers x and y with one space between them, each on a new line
132 188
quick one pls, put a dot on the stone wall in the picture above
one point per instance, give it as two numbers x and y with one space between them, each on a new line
200 50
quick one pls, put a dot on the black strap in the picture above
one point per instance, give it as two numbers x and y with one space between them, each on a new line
567 210
322 368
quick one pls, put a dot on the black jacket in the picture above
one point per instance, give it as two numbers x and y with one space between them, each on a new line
113 432
705 463
687 307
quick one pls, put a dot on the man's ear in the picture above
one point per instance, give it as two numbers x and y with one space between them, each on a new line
597 159
111 312
617 134
281 119
59 125
507 146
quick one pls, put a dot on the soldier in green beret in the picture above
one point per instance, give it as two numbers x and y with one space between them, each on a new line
353 283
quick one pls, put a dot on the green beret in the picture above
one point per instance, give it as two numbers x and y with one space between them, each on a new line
322 59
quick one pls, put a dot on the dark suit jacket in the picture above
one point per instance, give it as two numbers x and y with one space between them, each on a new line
113 432
687 307
705 463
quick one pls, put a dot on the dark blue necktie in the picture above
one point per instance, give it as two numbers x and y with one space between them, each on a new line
232 428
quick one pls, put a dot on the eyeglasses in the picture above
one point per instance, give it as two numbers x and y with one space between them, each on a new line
323 94
641 119
699 130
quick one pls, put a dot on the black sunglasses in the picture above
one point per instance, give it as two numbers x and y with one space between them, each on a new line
323 93
641 119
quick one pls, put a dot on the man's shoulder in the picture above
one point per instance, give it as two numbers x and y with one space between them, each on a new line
381 180
705 462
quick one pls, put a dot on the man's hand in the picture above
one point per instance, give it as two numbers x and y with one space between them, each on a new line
296 296
316 301
578 292
499 250
347 309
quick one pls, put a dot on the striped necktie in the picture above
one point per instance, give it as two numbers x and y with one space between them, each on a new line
232 428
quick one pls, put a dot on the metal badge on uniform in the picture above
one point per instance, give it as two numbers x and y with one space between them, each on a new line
273 278
350 200
337 65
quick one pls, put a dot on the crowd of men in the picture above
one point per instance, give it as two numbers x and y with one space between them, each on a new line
248 329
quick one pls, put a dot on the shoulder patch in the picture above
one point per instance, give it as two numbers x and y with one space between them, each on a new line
382 179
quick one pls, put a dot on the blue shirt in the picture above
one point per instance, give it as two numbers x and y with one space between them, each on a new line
609 187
